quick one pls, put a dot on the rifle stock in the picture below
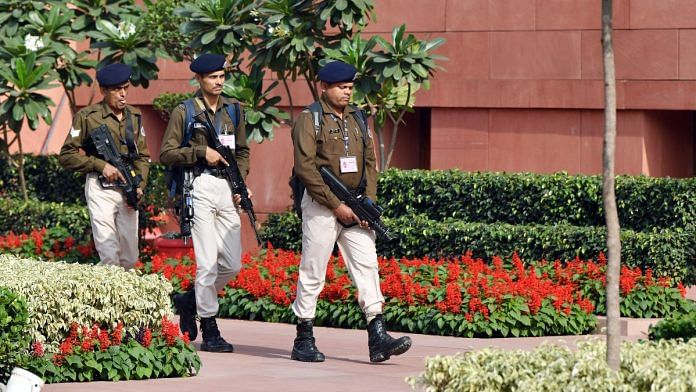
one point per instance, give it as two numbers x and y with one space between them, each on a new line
364 207
107 148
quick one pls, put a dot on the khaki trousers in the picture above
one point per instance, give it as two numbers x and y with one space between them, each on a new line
114 224
217 242
320 230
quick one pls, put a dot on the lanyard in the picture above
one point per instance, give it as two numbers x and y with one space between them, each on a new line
344 132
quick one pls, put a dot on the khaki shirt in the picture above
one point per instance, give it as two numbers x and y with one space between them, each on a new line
90 118
314 150
173 154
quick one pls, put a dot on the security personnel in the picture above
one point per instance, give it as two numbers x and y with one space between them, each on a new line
114 222
339 144
216 229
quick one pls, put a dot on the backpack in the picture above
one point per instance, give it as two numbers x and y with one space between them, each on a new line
317 111
174 174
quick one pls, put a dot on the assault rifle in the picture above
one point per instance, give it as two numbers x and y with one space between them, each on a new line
364 207
107 148
232 173
184 209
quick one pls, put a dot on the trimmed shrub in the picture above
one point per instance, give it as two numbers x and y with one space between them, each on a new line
14 341
524 198
676 326
60 294
63 192
46 180
645 366
21 217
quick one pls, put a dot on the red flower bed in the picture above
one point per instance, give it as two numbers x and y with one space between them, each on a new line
51 244
444 295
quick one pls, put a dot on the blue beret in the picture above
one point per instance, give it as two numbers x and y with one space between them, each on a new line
336 72
113 74
207 63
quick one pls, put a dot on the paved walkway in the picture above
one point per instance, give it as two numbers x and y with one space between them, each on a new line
261 362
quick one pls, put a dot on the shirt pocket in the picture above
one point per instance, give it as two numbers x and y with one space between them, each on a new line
331 144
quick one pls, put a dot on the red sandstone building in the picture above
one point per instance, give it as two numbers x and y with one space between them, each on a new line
522 91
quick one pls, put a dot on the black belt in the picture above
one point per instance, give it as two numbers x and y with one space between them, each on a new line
214 171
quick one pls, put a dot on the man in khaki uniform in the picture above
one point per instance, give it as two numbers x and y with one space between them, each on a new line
114 222
340 144
216 229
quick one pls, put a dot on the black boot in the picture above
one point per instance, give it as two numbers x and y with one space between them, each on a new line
304 348
212 341
185 305
382 346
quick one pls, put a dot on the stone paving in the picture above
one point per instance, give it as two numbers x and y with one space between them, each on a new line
261 362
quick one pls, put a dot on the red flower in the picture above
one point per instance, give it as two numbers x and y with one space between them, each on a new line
37 349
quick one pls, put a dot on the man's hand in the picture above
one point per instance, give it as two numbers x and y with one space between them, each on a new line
346 215
214 158
139 193
111 174
238 198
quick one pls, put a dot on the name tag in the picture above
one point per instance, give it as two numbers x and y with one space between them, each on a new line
227 141
349 165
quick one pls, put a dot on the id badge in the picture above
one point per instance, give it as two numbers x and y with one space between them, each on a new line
349 165
227 141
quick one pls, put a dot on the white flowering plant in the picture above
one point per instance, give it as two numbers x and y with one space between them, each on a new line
129 43
60 294
667 365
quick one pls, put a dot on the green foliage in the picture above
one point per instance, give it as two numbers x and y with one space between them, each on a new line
260 112
129 43
283 230
59 294
221 26
679 325
46 180
645 366
14 342
643 202
166 102
149 354
163 25
21 217
88 12
14 14
63 192
22 83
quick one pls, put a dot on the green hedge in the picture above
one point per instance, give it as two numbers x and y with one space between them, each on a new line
677 326
21 217
57 198
14 341
46 180
643 202
669 252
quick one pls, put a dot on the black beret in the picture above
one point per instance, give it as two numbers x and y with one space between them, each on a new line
207 63
336 72
113 74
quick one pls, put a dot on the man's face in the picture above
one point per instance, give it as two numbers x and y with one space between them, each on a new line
338 94
115 96
211 83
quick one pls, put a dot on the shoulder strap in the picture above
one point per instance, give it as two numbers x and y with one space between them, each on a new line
130 138
189 109
234 112
317 116
361 119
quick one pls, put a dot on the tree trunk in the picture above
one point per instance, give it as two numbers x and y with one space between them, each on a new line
22 182
608 194
380 148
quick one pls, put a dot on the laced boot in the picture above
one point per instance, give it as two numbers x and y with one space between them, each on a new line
212 341
304 348
185 305
382 346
